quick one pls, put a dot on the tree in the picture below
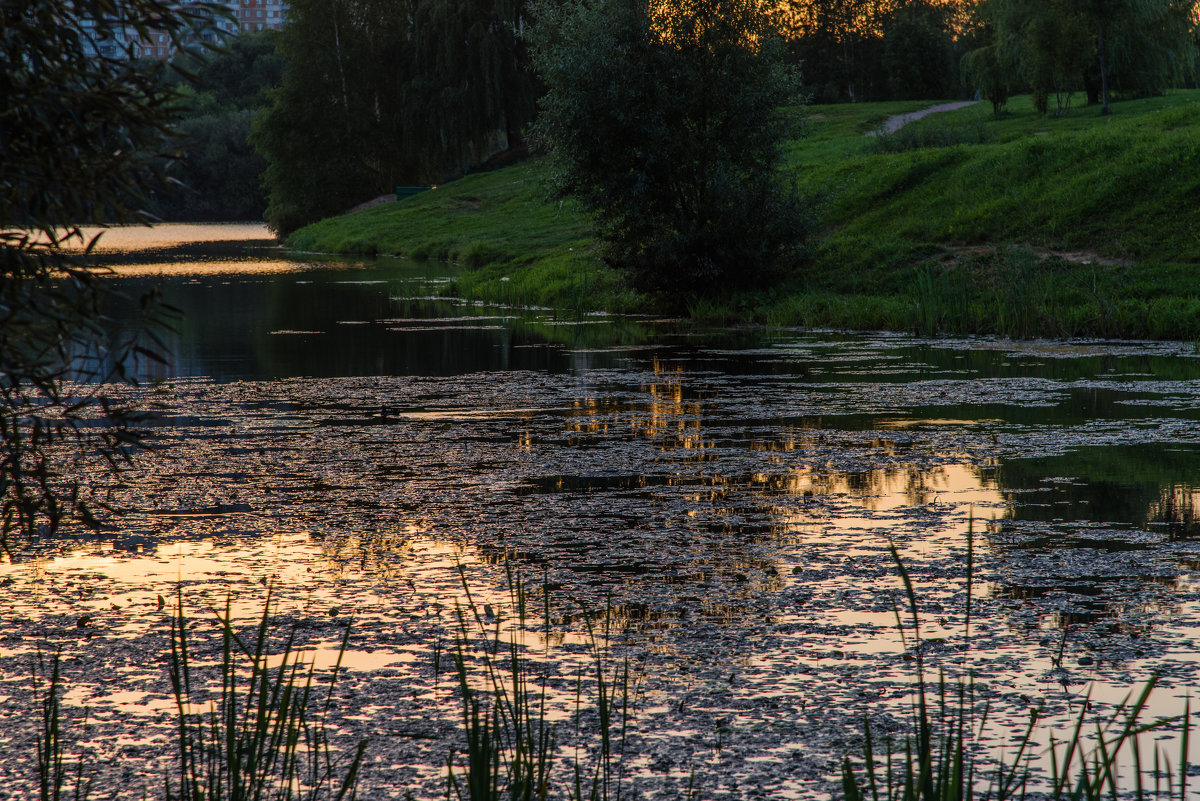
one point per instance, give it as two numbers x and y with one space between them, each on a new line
983 69
839 45
82 133
377 93
219 174
1142 46
667 126
1060 46
918 51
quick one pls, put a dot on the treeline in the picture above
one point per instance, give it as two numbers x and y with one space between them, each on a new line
864 50
869 50
216 173
377 93
1056 48
354 97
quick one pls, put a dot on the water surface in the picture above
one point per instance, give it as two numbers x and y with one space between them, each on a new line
334 430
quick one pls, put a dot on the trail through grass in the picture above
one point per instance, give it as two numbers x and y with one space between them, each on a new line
963 222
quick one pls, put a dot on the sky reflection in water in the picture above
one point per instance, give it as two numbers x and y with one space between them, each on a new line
730 495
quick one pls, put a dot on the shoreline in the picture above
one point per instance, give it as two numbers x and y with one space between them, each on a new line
958 223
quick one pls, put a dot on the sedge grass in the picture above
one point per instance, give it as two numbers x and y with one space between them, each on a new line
264 737
52 768
942 759
511 746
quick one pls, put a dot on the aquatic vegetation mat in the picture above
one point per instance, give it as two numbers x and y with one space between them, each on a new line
732 506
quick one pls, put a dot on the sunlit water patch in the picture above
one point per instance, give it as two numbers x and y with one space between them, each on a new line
730 498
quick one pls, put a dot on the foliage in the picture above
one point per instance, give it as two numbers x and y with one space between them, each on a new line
866 50
983 69
81 134
961 222
838 47
667 128
470 93
54 775
237 76
218 175
265 737
918 51
1056 47
377 93
511 743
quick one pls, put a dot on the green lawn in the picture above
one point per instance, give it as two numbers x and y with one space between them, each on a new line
1022 224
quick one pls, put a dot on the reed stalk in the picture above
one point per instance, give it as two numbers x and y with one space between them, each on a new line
511 745
264 736
52 768
941 761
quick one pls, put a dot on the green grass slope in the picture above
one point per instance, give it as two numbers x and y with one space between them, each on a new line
1023 224
518 247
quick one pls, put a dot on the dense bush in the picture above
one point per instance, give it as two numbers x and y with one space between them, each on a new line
667 127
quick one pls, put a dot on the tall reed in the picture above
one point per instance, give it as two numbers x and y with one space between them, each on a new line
53 771
260 739
943 760
511 745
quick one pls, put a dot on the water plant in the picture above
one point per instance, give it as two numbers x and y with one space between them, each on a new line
942 759
53 771
263 736
511 745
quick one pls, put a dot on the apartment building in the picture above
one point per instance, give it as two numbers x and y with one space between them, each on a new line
260 15
114 40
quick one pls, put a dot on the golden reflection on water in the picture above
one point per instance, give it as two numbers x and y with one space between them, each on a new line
211 268
892 488
1176 509
125 238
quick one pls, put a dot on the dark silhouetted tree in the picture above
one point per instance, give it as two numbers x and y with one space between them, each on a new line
377 93
84 130
667 126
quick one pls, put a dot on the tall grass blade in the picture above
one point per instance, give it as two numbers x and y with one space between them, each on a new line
52 769
260 740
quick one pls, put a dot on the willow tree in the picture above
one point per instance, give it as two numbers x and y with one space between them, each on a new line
377 93
471 91
1142 46
1059 46
85 130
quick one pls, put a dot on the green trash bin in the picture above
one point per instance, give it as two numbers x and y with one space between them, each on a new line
403 192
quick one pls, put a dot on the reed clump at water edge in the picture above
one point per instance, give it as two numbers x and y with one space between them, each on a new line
942 759
261 732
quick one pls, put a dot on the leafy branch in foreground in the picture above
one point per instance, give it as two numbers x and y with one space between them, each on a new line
84 129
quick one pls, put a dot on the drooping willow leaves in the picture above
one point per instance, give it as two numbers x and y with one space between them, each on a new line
84 129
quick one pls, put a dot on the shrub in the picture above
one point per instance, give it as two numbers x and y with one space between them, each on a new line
666 125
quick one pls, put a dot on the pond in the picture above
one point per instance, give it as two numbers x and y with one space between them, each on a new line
336 432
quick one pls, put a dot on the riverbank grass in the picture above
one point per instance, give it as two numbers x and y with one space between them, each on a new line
516 246
962 222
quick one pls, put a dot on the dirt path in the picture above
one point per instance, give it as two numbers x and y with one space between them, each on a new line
895 123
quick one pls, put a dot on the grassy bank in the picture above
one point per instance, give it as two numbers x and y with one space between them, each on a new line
1025 225
519 246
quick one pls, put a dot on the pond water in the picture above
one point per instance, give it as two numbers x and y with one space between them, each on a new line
369 451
